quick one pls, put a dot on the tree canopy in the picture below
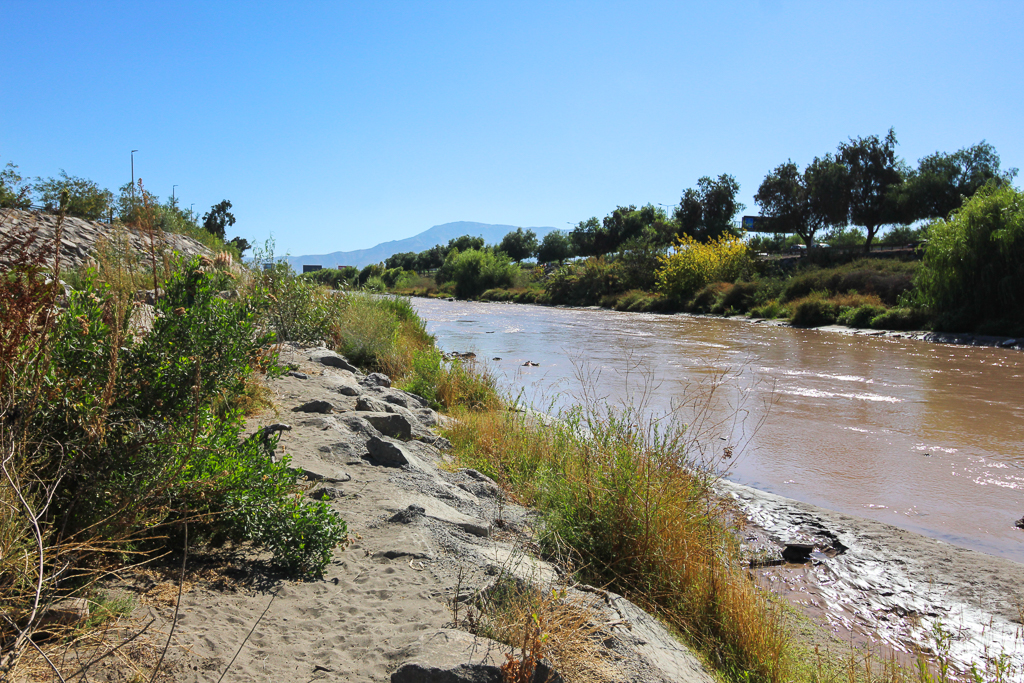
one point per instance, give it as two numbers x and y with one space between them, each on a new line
943 181
84 198
519 244
218 218
875 176
554 247
707 211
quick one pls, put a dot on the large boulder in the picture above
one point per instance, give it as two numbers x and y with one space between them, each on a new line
331 360
391 424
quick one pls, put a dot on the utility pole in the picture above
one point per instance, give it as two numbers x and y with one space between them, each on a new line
172 195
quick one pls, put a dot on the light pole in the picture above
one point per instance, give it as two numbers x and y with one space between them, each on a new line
133 172
172 195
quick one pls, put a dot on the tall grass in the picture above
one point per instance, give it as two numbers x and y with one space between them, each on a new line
628 501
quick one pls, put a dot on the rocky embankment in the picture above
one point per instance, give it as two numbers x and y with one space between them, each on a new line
424 540
79 238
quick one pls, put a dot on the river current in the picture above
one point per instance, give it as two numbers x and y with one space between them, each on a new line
924 436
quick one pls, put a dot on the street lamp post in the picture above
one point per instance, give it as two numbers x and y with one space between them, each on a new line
172 193
133 172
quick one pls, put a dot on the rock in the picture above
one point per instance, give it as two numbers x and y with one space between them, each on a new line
297 375
67 612
408 515
275 428
797 553
331 359
385 453
348 390
1008 343
391 424
452 656
426 416
372 405
479 484
331 476
327 493
1020 523
377 379
322 407
436 510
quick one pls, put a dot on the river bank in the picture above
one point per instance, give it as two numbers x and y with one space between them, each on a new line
874 580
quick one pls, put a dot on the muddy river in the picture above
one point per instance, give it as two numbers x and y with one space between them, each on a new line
927 437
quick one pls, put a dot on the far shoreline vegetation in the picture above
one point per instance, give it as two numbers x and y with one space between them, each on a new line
858 238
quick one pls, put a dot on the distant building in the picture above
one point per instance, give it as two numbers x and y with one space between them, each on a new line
310 269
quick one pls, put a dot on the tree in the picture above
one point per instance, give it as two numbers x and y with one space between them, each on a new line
519 245
404 261
942 182
875 175
84 199
241 244
465 243
135 204
588 238
218 218
707 211
554 247
15 193
804 203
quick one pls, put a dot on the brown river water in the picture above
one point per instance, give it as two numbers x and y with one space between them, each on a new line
924 436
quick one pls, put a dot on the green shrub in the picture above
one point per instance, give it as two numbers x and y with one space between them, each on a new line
449 384
886 278
901 318
860 316
974 264
295 308
737 298
769 309
378 333
814 310
707 296
474 271
128 436
582 283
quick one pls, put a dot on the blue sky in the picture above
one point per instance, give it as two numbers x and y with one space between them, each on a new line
336 126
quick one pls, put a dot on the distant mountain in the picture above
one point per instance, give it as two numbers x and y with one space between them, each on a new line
439 234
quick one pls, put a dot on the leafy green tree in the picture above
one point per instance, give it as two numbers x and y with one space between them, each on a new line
519 245
876 175
804 203
589 238
84 199
15 193
430 259
554 247
135 204
942 181
241 244
974 264
707 211
218 218
404 261
465 243
628 224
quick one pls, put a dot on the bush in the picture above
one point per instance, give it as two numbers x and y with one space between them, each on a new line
901 318
692 265
474 271
126 445
860 316
814 310
294 308
888 279
379 333
770 309
449 384
583 282
974 264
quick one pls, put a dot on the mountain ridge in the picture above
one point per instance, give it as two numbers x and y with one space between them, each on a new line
438 234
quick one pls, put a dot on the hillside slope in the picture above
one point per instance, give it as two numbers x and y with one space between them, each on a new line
79 237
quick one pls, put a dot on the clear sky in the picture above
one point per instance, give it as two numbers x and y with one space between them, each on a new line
339 125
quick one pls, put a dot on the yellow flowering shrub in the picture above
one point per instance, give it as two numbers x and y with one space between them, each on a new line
692 264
